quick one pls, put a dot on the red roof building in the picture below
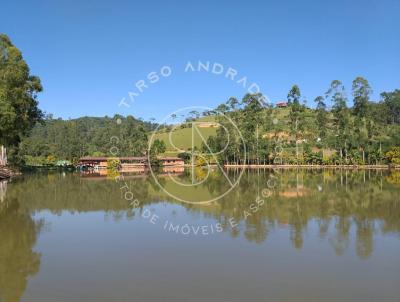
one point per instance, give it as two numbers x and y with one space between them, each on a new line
281 104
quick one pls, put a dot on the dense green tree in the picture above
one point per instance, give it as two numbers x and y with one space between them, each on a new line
336 94
251 124
158 147
391 103
293 96
223 108
296 110
321 116
393 155
19 110
296 115
361 93
233 103
71 139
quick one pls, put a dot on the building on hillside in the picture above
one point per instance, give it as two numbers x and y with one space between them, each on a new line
281 104
207 124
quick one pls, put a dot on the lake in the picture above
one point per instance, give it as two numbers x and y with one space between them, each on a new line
242 235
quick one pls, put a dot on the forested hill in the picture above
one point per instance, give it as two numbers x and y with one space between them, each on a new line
338 134
339 130
55 139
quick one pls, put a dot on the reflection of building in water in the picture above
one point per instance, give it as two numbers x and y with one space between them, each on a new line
139 172
173 169
295 192
102 173
3 190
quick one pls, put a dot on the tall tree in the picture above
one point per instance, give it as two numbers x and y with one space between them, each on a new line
336 94
391 102
322 116
361 94
158 147
19 110
296 115
293 96
251 123
232 103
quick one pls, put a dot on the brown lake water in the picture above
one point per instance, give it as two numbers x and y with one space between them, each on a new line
287 235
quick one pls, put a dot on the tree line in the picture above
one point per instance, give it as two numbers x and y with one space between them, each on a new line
19 110
56 139
332 133
365 133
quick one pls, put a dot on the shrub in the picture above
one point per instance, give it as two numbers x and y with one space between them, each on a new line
393 156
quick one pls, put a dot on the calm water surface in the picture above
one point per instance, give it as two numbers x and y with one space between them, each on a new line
314 236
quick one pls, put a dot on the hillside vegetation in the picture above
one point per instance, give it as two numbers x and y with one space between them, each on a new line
57 139
361 134
333 133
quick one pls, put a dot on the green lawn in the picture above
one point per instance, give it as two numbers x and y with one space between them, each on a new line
182 138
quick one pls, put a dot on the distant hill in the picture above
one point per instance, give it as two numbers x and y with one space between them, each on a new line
57 139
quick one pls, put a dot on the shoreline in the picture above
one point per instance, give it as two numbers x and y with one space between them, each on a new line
354 167
6 173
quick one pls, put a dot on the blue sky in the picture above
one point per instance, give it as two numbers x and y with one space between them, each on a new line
90 54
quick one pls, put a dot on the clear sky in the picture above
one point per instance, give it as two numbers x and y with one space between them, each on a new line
90 54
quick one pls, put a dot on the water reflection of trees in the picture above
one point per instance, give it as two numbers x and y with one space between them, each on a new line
18 261
336 200
3 190
342 204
